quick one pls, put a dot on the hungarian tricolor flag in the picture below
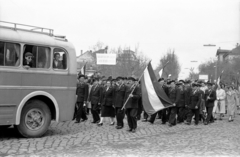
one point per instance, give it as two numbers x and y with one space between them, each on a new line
154 97
83 70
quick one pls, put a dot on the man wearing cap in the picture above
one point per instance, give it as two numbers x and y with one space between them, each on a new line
182 102
188 89
131 98
210 97
28 60
95 98
82 95
194 102
174 96
120 89
164 111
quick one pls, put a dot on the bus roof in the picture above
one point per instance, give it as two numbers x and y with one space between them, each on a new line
19 35
31 34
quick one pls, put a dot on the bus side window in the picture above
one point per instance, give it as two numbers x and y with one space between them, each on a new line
9 54
40 56
60 59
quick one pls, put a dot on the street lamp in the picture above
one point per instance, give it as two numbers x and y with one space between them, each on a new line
211 45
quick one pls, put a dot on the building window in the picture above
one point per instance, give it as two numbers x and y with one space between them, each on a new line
9 54
36 57
59 59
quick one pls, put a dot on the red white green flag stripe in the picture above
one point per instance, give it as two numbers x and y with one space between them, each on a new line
153 96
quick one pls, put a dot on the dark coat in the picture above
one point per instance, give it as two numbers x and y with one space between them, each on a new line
107 96
182 98
132 102
82 92
58 66
174 95
195 99
212 95
187 95
95 96
119 95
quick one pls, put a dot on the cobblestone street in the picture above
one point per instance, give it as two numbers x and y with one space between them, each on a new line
86 139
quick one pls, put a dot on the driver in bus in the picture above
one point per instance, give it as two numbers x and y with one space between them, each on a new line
28 61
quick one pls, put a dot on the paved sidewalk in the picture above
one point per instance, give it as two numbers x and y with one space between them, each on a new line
86 139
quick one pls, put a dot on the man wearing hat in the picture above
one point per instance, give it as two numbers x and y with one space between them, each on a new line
131 99
210 97
174 96
163 112
28 60
182 102
82 95
95 98
120 89
194 102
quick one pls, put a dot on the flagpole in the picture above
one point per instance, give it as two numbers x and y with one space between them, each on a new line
135 85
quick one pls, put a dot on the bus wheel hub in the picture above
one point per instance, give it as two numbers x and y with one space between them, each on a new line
34 119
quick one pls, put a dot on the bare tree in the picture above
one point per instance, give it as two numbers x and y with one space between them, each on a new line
171 63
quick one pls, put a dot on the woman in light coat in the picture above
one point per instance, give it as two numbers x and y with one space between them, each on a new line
231 101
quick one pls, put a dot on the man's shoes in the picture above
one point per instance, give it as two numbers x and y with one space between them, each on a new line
133 130
150 122
144 120
83 120
119 127
95 121
129 130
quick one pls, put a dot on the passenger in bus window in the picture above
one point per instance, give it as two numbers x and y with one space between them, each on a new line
28 60
57 64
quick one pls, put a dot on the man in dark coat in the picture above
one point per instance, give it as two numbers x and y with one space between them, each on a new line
194 102
210 97
82 95
95 98
174 96
181 103
163 112
132 103
120 89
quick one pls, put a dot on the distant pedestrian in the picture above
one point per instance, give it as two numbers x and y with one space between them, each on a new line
219 106
231 101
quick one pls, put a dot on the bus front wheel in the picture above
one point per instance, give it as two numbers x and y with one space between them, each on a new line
35 119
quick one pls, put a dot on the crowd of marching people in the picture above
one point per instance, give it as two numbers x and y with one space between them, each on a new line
193 102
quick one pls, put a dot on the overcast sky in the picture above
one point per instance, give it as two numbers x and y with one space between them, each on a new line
153 25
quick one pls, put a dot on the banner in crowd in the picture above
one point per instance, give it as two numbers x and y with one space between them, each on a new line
154 97
106 59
